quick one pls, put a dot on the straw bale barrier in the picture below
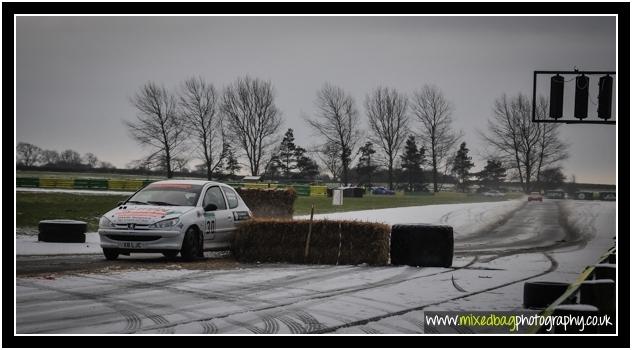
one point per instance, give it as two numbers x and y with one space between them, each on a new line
331 242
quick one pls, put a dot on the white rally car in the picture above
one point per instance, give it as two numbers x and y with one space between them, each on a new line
185 216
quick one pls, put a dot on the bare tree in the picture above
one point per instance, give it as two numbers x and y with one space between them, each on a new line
551 148
525 146
337 122
329 155
90 160
28 154
252 119
49 157
70 158
199 109
180 164
388 120
157 125
434 112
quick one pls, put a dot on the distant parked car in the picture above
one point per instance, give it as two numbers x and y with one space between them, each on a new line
608 196
584 195
382 190
493 193
534 196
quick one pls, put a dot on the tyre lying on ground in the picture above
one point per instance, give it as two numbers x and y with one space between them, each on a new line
62 231
540 294
422 245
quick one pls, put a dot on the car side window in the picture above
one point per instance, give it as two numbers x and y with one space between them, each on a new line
214 195
231 196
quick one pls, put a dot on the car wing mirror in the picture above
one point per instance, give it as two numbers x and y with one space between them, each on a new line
210 207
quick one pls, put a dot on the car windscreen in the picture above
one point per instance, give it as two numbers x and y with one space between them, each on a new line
167 194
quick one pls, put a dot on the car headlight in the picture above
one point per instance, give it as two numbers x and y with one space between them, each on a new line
105 223
165 223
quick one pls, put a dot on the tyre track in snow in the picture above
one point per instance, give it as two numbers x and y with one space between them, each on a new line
316 299
552 267
131 313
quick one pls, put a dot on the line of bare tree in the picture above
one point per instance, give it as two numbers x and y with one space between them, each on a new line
30 156
244 118
197 116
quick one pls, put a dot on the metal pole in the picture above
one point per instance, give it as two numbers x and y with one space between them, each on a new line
309 232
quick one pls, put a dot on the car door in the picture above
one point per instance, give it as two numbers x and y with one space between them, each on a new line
218 223
232 199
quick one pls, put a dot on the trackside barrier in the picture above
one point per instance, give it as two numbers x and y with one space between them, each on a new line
132 185
318 191
301 190
259 185
27 182
56 183
572 289
93 184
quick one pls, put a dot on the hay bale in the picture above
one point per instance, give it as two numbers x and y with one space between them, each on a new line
422 245
269 203
331 242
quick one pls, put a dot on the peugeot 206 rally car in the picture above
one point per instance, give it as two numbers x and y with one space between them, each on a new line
185 216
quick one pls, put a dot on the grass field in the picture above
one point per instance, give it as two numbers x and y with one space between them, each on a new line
35 206
31 207
323 204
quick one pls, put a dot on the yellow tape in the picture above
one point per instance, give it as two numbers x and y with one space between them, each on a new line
569 291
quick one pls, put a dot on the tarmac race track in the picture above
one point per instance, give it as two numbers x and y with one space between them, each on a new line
86 294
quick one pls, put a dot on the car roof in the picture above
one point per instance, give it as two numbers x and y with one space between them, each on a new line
189 182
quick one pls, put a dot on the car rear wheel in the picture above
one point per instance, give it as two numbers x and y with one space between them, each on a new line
110 254
191 246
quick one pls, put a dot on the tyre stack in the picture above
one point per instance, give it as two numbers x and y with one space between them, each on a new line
62 231
422 245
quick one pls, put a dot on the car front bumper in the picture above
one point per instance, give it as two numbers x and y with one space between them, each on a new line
141 240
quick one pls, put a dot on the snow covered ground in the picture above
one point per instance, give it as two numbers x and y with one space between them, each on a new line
285 298
27 244
465 218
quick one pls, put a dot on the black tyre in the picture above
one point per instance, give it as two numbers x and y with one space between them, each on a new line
542 294
422 245
62 231
170 254
110 254
191 245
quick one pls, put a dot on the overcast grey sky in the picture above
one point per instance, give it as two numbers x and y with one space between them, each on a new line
75 74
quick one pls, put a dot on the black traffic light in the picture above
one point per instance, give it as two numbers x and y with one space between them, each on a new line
604 107
581 97
557 97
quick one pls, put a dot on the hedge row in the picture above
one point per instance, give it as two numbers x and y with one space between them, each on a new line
277 203
331 242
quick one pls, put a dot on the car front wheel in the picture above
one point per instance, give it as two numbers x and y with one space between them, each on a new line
170 254
110 254
191 246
